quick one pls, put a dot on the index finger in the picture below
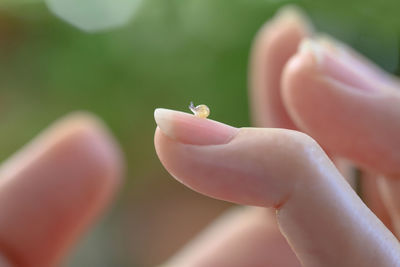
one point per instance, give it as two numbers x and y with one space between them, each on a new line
321 216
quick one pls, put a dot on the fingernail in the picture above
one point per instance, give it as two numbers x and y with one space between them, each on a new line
307 45
293 14
333 61
188 129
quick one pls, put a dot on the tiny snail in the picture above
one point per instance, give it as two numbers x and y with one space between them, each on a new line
201 111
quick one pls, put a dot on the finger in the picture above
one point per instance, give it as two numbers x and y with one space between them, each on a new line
244 236
250 237
358 109
389 189
372 197
275 43
358 112
323 219
53 189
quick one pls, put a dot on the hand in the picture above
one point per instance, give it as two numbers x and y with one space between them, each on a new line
322 89
59 184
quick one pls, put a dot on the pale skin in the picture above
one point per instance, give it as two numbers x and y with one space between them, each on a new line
305 212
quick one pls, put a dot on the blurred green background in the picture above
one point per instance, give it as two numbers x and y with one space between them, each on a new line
170 52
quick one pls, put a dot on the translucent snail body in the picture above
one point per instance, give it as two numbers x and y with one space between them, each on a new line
201 111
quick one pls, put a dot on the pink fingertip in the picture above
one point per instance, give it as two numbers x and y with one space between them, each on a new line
337 64
189 129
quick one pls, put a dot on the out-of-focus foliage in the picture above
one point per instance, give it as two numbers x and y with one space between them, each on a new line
170 53
381 15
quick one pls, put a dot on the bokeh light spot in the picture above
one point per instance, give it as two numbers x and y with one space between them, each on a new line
94 15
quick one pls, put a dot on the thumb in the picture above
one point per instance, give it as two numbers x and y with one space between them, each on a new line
53 189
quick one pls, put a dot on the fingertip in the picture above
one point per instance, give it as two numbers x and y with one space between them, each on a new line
102 149
55 187
103 159
162 144
289 23
274 44
292 14
356 114
298 67
79 129
85 135
295 83
189 129
247 170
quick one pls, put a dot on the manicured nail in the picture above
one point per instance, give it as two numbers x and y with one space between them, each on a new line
188 129
335 63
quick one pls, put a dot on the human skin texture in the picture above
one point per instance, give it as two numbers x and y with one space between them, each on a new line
322 103
54 188
334 104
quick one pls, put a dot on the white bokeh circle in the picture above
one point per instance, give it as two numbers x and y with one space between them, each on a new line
94 15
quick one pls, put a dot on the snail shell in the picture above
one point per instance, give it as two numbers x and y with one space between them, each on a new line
201 111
